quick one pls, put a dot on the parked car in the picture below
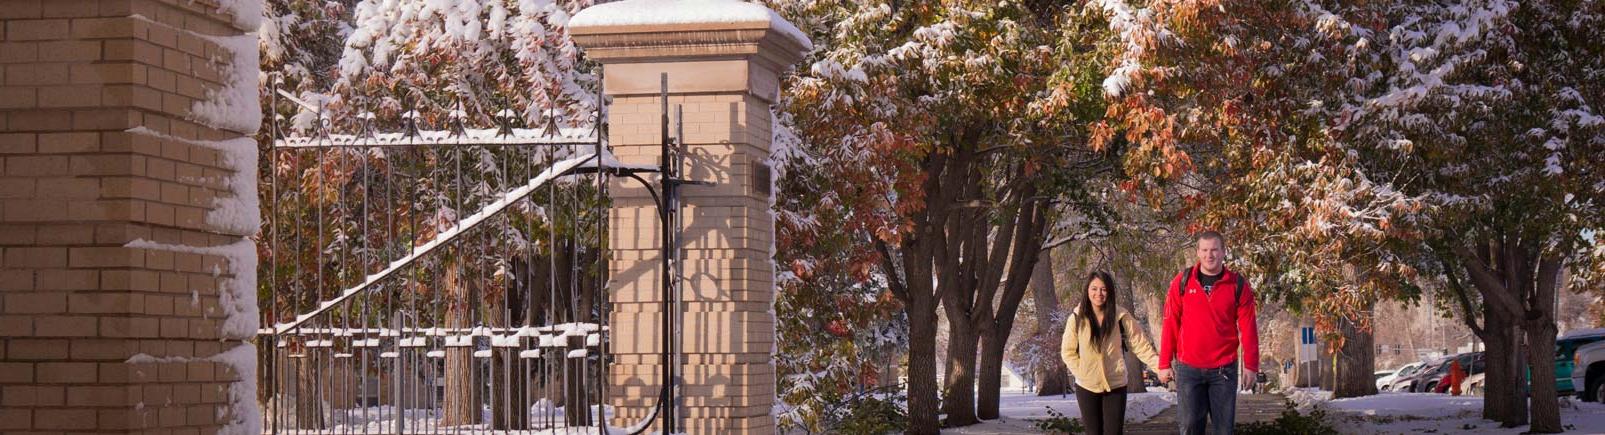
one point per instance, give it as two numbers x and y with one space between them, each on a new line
1410 383
1565 348
1474 385
1384 383
1589 361
1471 365
1427 382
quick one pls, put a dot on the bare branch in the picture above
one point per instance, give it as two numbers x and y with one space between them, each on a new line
1461 296
894 277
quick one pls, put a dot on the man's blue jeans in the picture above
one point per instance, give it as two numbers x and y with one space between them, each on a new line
1206 392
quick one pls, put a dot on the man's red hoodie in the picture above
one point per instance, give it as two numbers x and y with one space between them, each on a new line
1208 324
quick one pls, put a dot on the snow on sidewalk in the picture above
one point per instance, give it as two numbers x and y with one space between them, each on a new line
1018 412
1402 413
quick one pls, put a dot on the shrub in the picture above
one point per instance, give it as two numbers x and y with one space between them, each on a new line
1291 422
873 415
1057 423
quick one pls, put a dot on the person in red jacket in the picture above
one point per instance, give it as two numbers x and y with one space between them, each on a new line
1209 315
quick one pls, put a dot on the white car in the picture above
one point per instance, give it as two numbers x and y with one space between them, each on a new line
1588 372
1409 369
1473 385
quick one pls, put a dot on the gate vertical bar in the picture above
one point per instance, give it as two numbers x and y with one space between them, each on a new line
677 212
667 400
274 374
400 406
604 210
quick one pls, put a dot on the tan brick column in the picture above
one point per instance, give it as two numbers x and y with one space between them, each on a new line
121 219
725 75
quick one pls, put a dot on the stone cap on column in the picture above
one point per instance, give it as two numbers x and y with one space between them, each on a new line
671 36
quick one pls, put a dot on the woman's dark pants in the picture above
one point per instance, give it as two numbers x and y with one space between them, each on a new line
1102 413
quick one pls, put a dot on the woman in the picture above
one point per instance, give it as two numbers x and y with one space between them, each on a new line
1096 339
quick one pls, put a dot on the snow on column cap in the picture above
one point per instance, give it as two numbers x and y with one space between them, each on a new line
683 12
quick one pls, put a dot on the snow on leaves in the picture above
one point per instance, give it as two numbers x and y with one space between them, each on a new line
1352 130
485 54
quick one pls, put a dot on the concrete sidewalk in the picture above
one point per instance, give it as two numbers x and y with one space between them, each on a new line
1250 408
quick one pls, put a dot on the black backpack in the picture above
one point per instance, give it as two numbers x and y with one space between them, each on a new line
1123 347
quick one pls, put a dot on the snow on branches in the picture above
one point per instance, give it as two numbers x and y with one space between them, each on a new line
431 54
1345 133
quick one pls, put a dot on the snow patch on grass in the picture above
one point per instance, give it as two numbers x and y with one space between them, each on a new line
1404 413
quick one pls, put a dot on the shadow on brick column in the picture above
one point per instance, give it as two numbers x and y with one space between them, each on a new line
127 195
723 62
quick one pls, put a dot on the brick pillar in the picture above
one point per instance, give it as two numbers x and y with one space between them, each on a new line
127 286
725 75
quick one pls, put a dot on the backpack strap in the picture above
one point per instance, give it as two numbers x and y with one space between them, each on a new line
1187 278
1237 290
1237 294
1123 346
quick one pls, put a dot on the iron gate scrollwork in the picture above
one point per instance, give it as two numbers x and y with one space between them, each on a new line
407 295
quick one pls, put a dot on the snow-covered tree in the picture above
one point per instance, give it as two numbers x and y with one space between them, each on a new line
1355 146
954 132
842 334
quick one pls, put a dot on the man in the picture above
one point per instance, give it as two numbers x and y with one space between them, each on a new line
1208 312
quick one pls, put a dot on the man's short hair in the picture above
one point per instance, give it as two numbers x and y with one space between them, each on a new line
1210 234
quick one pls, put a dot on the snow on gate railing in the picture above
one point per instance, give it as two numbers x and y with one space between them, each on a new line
392 312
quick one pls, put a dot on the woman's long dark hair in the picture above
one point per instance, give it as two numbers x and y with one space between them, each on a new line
1109 314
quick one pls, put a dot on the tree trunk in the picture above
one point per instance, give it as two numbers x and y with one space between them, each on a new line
576 398
1503 401
1052 376
1545 399
1023 265
509 381
1134 366
1326 371
1356 361
1518 285
991 373
266 363
1540 326
509 400
308 401
1003 285
270 393
458 406
922 400
958 387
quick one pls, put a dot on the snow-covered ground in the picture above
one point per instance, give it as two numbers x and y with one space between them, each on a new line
544 418
1019 410
1405 413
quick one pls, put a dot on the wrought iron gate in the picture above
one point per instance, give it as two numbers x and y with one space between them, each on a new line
443 278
